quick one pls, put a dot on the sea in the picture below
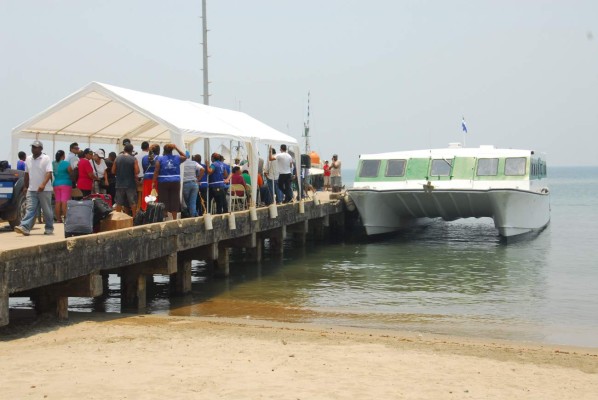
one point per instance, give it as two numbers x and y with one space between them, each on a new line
451 278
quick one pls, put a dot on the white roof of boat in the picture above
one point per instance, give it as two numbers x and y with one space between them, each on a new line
449 152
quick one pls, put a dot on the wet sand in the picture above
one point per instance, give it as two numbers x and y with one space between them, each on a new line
98 356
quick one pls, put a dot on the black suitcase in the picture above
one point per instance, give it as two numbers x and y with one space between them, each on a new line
79 218
154 213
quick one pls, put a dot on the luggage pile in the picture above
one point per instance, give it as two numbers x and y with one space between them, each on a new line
153 213
83 216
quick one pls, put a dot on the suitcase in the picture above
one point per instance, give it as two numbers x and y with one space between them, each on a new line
79 218
106 197
154 213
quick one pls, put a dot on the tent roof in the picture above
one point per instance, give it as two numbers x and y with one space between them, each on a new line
107 114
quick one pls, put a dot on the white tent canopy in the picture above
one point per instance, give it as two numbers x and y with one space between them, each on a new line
101 113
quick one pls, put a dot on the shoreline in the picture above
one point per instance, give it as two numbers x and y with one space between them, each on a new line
152 356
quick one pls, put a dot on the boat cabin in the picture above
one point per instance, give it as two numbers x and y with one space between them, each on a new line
485 163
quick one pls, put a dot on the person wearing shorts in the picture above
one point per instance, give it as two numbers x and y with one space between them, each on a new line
126 169
62 185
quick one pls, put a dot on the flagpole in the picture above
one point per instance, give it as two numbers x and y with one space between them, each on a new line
464 128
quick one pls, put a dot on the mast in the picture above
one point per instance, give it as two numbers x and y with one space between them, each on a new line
206 91
306 128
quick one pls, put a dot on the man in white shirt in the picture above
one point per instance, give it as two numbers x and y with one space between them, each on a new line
73 160
335 174
284 164
271 174
38 184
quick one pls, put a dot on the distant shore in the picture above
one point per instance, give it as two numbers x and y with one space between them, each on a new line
120 356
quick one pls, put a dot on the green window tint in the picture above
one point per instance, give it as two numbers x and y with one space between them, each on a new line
395 167
417 168
515 166
369 168
441 167
487 167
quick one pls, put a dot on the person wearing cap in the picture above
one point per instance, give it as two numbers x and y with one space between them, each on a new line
86 173
100 183
335 174
38 176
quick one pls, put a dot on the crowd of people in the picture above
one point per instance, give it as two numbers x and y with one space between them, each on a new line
130 177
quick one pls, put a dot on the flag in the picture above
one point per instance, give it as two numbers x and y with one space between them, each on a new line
463 125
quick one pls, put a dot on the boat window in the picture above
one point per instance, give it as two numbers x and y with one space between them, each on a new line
395 168
515 166
487 167
369 168
441 167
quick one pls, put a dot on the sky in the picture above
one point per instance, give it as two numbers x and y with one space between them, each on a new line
382 75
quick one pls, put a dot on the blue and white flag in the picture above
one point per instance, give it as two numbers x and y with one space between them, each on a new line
463 125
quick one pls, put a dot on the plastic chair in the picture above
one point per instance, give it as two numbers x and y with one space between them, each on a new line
238 197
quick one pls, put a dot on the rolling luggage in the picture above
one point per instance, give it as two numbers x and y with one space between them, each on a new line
154 213
106 197
79 218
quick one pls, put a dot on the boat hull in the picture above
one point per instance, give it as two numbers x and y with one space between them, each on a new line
514 211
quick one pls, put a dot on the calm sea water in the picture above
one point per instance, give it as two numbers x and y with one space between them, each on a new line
454 278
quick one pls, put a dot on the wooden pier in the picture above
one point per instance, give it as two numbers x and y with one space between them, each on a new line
56 269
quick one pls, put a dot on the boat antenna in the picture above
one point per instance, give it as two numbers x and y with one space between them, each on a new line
306 127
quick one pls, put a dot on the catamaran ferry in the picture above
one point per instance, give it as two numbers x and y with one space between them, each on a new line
396 190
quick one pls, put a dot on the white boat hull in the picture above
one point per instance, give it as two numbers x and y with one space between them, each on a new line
514 212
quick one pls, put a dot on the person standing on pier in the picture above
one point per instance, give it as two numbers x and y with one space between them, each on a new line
126 169
326 176
272 178
284 164
203 186
217 176
62 185
335 175
167 178
86 176
38 177
192 173
73 159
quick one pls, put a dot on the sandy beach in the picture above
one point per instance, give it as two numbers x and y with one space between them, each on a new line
101 356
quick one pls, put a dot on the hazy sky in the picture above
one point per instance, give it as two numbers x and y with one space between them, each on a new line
383 75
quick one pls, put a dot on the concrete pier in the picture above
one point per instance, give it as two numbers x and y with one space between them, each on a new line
51 270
